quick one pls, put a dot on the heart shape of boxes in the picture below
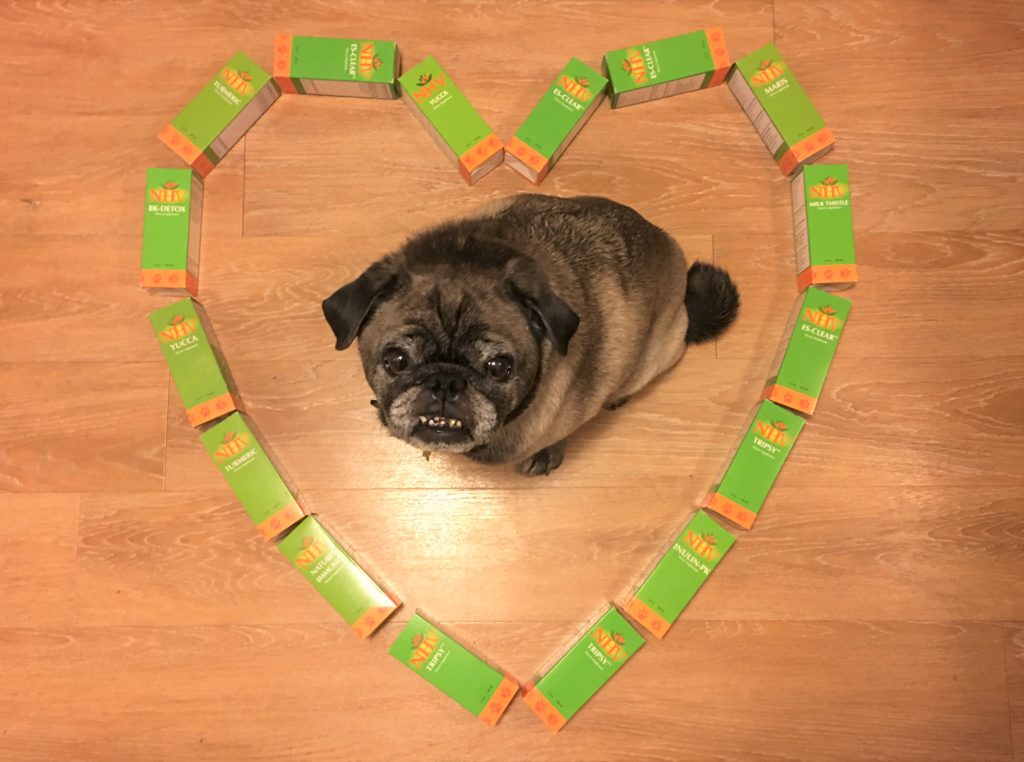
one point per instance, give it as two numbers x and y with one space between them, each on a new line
795 135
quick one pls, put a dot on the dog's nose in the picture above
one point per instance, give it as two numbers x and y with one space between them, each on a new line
446 388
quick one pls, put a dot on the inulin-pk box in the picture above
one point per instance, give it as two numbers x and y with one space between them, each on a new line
171 227
355 68
823 226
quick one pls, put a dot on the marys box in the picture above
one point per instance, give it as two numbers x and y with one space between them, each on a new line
753 465
361 602
336 66
436 101
561 113
222 112
777 106
194 360
667 67
170 231
679 573
823 224
560 691
454 670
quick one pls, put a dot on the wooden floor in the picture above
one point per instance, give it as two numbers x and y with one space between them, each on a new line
875 612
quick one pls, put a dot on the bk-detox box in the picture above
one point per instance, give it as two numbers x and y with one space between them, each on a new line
823 227
171 226
336 66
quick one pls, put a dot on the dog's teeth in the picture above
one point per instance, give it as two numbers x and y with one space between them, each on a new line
423 419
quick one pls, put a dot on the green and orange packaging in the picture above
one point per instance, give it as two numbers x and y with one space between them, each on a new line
753 465
336 66
454 670
558 692
679 573
567 105
812 334
823 224
354 594
450 119
223 111
782 114
671 66
171 228
195 362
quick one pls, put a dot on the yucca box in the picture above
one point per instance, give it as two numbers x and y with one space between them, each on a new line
194 359
667 67
223 111
750 470
557 693
679 573
171 227
450 119
454 670
561 113
809 343
823 223
777 106
336 66
351 591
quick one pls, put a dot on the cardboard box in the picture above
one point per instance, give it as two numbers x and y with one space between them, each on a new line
678 574
809 344
751 468
450 119
195 362
823 224
667 67
223 111
561 113
557 693
336 66
253 476
171 227
454 670
777 106
361 602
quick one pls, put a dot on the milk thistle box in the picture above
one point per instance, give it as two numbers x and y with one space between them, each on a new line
561 113
450 119
802 362
823 223
454 670
667 67
753 465
560 691
777 106
223 111
336 66
171 228
679 573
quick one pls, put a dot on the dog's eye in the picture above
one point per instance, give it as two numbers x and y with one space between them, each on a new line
395 361
500 368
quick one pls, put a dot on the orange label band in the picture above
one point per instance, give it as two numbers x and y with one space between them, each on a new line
719 55
499 701
806 148
532 158
480 153
373 618
791 398
167 279
551 717
179 144
733 511
215 408
650 619
282 56
280 521
826 274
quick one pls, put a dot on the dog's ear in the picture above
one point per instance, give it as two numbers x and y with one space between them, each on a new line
348 308
548 315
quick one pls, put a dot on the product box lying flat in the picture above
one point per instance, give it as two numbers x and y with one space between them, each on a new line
336 66
171 227
823 227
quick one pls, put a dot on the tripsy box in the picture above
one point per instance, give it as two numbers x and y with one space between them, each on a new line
823 224
559 692
223 111
752 467
454 670
777 106
171 227
336 66
195 361
450 119
252 475
361 602
567 105
667 67
662 595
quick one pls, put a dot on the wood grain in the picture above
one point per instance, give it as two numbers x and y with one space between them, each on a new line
1015 685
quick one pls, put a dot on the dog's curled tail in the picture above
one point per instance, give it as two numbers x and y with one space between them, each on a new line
712 302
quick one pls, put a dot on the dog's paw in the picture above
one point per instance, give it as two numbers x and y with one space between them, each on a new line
544 462
616 404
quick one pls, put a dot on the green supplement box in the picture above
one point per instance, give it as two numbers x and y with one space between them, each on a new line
223 111
679 573
194 359
336 66
559 692
171 227
753 465
777 106
823 223
561 113
802 362
454 670
252 475
672 66
450 119
361 602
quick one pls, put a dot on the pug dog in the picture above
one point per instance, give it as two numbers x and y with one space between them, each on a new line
499 335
